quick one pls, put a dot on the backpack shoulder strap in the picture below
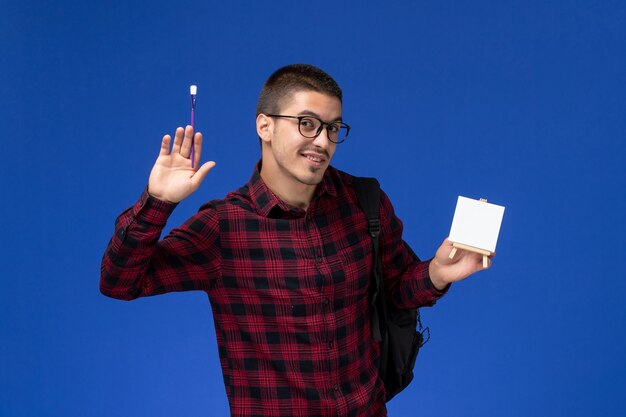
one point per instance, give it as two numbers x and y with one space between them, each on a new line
368 193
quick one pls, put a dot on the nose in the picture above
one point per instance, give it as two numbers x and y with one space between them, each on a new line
322 140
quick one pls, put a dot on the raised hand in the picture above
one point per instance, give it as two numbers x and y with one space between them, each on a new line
172 178
444 270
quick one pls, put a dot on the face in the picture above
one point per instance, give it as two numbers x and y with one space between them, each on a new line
290 159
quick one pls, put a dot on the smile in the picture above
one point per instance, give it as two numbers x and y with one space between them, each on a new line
314 158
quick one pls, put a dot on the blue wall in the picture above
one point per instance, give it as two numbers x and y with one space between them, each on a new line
519 102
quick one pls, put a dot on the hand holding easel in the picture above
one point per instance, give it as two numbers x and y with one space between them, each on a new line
475 230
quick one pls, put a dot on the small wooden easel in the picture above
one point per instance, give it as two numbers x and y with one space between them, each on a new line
486 254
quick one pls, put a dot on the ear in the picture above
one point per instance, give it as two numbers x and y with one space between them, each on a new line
264 127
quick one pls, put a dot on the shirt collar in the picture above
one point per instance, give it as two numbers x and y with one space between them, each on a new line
264 200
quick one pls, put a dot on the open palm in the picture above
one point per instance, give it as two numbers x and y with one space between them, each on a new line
173 178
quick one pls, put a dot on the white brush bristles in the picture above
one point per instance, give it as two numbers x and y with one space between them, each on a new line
193 90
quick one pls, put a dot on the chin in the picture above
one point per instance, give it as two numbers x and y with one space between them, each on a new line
315 176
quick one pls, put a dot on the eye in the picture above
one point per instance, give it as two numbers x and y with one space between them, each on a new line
307 123
334 128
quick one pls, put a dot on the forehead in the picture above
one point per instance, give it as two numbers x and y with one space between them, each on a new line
323 105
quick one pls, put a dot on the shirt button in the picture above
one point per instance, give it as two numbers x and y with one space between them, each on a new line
325 301
331 344
336 387
319 259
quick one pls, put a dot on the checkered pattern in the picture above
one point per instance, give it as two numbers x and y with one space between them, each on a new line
288 288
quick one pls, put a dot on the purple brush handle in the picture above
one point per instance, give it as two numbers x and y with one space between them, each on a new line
193 125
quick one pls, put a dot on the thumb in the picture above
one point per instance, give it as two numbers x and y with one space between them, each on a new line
201 173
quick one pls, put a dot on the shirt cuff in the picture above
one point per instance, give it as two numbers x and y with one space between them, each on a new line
151 210
429 283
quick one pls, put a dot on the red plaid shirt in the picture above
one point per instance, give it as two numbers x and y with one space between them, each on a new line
288 289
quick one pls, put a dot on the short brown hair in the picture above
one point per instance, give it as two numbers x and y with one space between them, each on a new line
293 78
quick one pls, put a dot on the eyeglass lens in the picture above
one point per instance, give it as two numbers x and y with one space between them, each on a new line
310 127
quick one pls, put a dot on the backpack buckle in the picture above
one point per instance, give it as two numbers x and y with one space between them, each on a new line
374 227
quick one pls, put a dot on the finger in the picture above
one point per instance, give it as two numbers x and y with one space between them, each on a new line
201 174
185 149
165 145
197 148
445 250
178 140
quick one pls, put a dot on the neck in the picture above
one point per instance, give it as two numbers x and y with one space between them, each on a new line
289 190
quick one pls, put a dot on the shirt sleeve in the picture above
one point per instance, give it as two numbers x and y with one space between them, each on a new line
406 278
137 264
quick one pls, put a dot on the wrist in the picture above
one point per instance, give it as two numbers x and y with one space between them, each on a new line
160 197
439 283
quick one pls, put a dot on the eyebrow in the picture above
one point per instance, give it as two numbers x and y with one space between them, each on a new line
312 113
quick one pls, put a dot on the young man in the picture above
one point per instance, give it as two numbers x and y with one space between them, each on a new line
285 260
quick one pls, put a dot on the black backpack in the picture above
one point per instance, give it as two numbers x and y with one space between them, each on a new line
395 329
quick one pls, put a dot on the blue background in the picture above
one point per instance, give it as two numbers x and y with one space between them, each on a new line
521 102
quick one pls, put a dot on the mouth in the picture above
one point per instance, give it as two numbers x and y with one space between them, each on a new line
314 158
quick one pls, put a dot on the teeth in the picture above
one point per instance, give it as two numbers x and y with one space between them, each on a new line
313 158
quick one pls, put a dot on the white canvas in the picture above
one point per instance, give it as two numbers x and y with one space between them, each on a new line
476 223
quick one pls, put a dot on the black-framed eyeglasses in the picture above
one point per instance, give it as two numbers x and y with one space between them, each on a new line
311 127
